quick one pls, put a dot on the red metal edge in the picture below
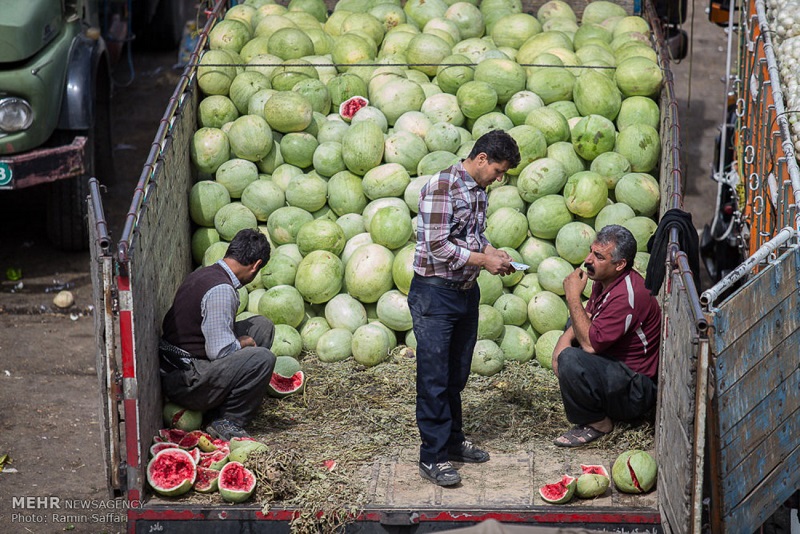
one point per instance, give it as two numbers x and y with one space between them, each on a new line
126 332
132 457
564 516
535 516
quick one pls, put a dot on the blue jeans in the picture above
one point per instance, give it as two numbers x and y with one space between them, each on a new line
446 328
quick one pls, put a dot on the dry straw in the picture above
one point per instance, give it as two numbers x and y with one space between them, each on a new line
354 416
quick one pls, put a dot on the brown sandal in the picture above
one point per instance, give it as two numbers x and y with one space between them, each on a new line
578 436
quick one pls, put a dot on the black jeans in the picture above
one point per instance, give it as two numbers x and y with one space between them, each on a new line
446 328
594 386
231 387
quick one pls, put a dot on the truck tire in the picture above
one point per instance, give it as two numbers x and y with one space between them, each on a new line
66 214
67 208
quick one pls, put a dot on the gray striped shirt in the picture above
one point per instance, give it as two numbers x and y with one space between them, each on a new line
218 308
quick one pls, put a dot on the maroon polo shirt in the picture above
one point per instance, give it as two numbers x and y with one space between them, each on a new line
626 323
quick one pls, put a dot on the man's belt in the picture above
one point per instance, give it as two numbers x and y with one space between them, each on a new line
460 285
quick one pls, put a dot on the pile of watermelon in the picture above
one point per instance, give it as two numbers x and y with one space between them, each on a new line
320 130
634 471
182 461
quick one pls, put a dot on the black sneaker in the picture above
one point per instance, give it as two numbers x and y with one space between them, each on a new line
441 474
225 430
468 453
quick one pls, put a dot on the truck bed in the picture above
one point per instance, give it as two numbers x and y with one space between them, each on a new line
504 489
363 419
155 241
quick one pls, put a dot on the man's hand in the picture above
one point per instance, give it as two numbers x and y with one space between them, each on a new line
497 261
575 283
502 253
247 341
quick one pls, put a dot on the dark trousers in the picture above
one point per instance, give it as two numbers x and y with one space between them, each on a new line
594 386
231 387
446 328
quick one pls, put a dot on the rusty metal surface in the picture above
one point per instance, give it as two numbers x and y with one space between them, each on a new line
767 166
46 165
101 272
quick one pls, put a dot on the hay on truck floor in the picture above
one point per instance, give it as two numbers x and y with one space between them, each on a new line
353 416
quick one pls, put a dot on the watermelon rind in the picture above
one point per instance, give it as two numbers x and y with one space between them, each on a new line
173 461
235 471
560 492
207 480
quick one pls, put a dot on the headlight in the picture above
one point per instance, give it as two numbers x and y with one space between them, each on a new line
15 114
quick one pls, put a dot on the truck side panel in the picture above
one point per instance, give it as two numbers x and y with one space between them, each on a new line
160 258
756 340
676 440
106 362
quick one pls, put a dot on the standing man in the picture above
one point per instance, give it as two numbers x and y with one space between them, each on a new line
214 363
607 359
444 296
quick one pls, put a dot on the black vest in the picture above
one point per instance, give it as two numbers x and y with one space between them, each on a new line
182 325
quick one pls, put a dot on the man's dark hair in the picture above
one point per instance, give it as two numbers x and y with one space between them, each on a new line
248 246
623 241
498 147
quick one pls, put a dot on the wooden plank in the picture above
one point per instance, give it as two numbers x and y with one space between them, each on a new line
746 457
674 478
510 481
762 502
104 362
678 358
743 355
745 307
759 382
759 423
752 464
675 430
773 454
750 398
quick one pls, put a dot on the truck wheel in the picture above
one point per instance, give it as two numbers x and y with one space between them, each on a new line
66 214
67 208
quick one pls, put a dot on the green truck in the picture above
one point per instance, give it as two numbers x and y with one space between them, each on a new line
55 96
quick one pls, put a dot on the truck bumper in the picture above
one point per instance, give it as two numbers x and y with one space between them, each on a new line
43 165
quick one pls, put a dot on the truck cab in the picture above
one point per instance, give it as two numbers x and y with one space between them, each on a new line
55 98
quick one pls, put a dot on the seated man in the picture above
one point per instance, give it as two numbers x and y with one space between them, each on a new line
607 359
226 364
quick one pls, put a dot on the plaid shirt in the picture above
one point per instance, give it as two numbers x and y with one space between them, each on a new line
450 224
219 307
